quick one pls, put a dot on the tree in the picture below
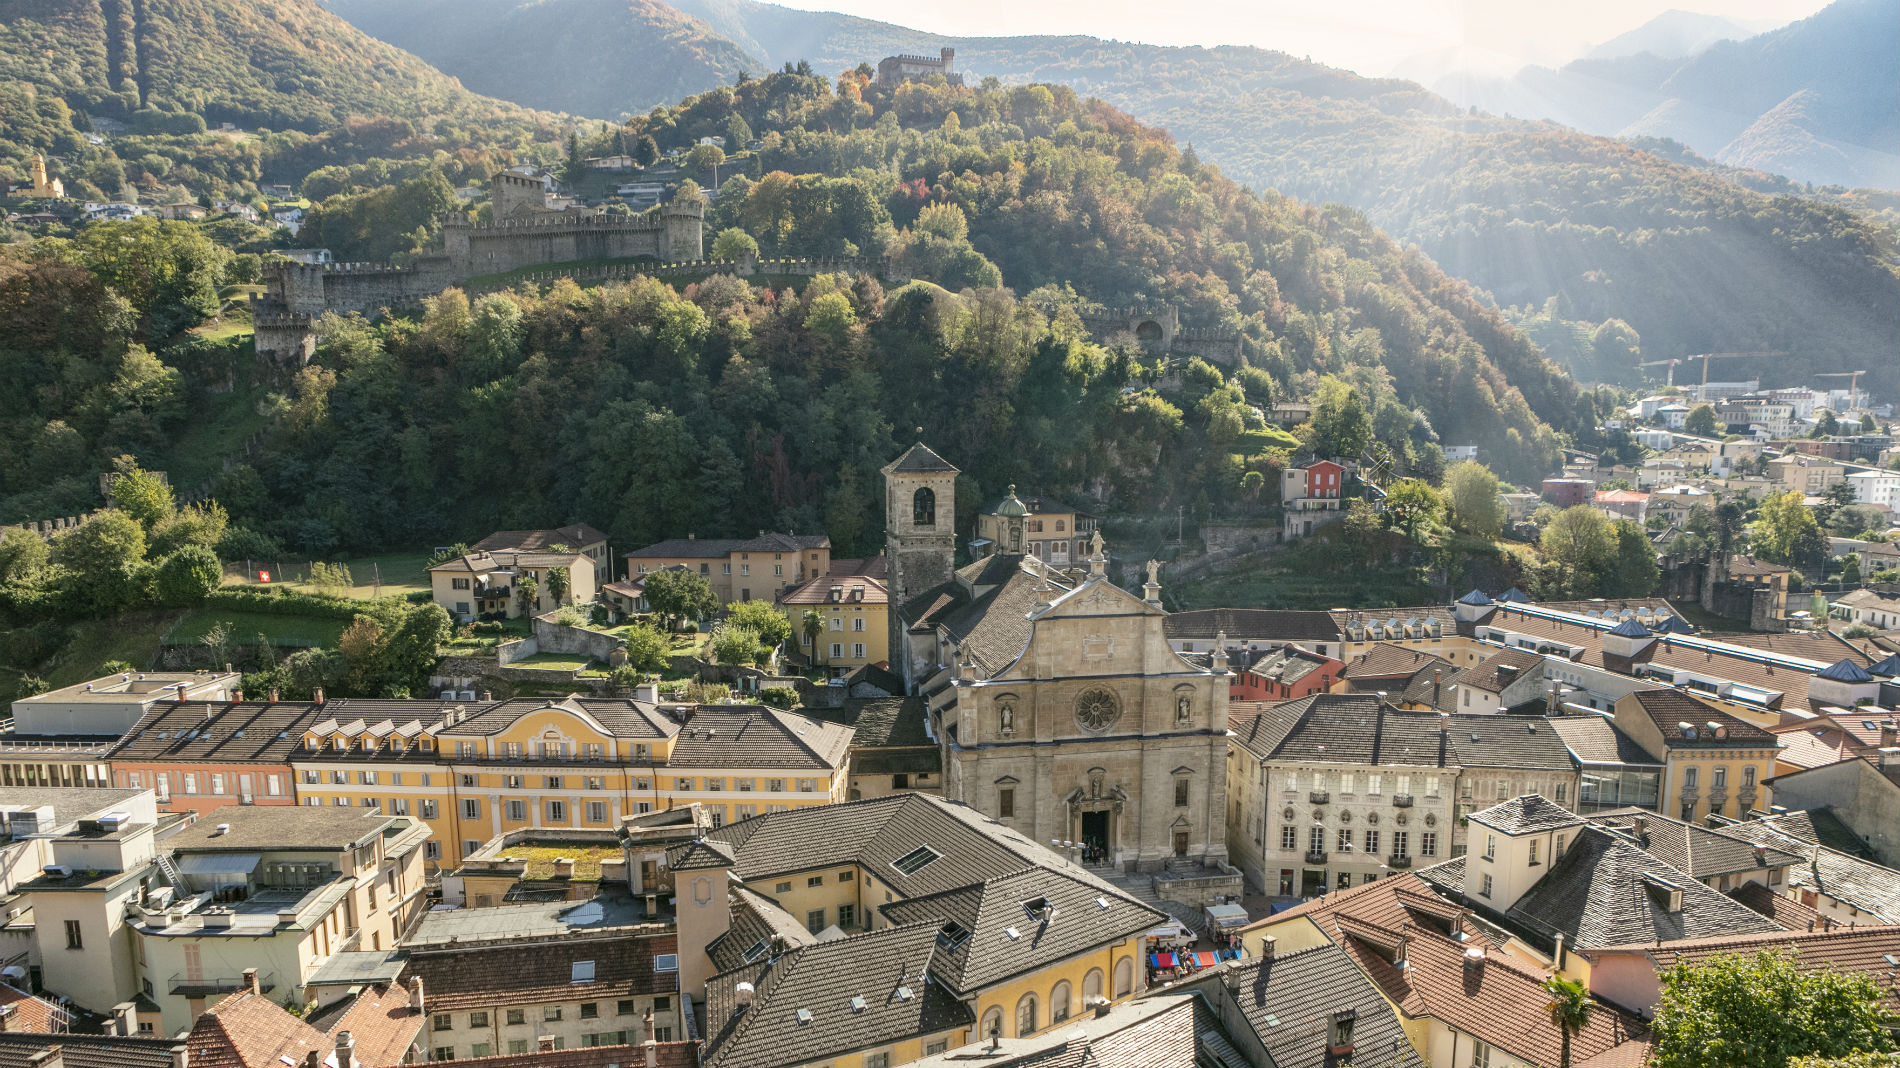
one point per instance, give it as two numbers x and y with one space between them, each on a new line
412 651
738 134
1577 543
22 554
647 648
646 151
1341 426
528 593
1760 1011
778 697
733 643
1472 493
143 496
764 620
1633 570
1785 531
1850 569
705 157
1569 1010
448 552
104 555
733 243
558 583
813 624
187 576
1413 506
677 594
1701 421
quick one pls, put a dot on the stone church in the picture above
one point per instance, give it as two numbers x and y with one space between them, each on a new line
1058 703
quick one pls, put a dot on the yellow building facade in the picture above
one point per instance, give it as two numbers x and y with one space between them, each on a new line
853 608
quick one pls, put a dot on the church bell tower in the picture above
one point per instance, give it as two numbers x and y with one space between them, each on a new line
920 519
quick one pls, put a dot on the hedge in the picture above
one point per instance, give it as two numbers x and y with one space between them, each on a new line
284 602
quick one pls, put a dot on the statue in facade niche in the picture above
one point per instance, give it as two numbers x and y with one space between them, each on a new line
1006 717
1183 708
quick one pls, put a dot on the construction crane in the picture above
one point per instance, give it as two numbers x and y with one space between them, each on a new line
1853 384
1706 358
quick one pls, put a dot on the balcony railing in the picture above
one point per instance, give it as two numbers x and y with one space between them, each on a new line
1319 797
1316 856
205 985
1401 800
1398 861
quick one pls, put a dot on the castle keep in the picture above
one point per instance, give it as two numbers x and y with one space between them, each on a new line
525 233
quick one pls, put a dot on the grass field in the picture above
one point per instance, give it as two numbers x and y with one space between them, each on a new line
401 574
133 637
242 628
553 662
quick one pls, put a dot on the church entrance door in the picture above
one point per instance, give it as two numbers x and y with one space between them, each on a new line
1180 843
1095 847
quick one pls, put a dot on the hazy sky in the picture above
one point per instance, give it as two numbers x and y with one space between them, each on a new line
1369 36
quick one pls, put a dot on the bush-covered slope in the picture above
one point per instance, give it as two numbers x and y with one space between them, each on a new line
276 63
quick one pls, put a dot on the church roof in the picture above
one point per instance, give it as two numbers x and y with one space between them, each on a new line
919 459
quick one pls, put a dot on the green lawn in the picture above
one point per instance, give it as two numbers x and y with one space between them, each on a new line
553 662
243 628
400 573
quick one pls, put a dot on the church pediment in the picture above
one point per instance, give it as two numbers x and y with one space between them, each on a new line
1099 597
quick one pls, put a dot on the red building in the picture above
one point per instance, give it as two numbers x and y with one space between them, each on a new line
200 755
1283 674
1568 492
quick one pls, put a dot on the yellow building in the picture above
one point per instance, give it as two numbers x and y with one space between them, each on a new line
1713 763
1041 527
945 924
739 569
853 605
478 584
43 187
472 772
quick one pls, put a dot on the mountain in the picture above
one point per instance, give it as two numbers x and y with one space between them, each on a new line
587 57
1525 210
284 64
1813 100
1677 34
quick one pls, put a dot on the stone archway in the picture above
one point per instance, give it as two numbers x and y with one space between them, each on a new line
1095 819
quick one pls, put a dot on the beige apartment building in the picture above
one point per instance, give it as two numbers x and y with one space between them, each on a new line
740 569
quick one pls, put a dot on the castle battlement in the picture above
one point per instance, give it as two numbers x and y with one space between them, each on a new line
585 222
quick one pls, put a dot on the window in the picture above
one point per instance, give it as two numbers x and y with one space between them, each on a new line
340 802
1428 844
1091 985
923 508
1504 790
338 778
1289 837
715 785
1431 786
590 1010
1006 803
857 650
1124 977
1181 792
916 860
1026 1015
1718 779
1345 879
1485 887
992 1023
1533 855
1490 847
516 1017
1563 790
398 806
597 812
837 648
816 880
191 782
471 808
1316 840
1059 999
815 920
847 915
782 888
443 1022
1345 839
481 1049
311 778
1400 844
857 623
517 1045
1689 778
552 1012
444 1053
625 1007
581 971
557 812
74 940
1748 777
1373 782
517 811
807 786
428 810
432 850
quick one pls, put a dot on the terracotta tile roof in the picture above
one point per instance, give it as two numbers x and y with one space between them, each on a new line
1385 903
829 999
24 1012
1804 747
1669 709
540 971
19 1050
1501 1002
839 590
1843 949
1787 911
1387 661
1501 669
247 1030
381 1024
622 718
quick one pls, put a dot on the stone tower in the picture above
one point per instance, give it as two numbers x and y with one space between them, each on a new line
920 519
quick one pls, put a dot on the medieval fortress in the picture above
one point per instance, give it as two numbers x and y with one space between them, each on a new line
525 233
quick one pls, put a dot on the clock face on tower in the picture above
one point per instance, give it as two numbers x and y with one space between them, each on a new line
1097 710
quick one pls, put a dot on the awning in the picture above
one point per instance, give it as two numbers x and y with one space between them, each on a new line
1206 959
218 863
1164 960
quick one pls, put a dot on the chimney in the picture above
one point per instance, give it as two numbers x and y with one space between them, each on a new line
1267 945
316 694
648 692
487 696
238 696
250 980
6 1018
415 995
1557 954
1474 960
181 687
1761 856
1438 682
345 1049
1639 824
273 695
563 867
1889 734
181 1057
49 1057
652 1051
126 1014
313 1059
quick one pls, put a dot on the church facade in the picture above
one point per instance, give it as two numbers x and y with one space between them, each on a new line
1060 708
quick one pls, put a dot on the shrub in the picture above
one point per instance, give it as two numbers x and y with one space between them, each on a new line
779 696
187 576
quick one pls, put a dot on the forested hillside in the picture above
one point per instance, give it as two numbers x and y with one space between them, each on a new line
723 407
1668 258
282 64
586 57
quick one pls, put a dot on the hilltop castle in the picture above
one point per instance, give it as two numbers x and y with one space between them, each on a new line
893 71
525 233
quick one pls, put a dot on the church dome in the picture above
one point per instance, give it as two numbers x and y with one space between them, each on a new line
1011 507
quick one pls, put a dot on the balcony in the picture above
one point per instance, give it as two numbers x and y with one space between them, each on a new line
193 986
1396 861
1316 856
1401 800
1319 797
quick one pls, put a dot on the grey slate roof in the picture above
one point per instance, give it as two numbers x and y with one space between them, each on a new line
985 609
624 718
757 736
991 910
920 459
705 853
890 735
1289 1001
1596 895
1258 624
756 921
821 979
1529 814
1355 728
1501 669
1670 708
1872 888
1703 852
1595 740
221 732
1493 741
